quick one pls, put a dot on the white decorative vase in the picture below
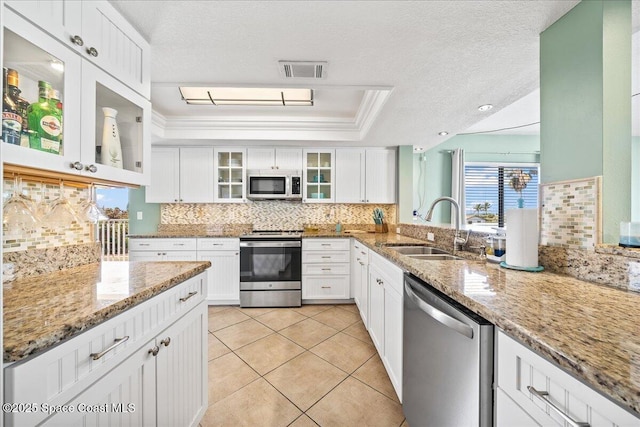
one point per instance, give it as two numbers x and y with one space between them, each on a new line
111 148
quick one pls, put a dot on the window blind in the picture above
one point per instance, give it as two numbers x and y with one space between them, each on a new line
489 195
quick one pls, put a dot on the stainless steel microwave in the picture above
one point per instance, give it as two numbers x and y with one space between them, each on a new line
276 184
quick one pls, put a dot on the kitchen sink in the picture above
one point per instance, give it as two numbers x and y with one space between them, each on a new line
436 257
417 250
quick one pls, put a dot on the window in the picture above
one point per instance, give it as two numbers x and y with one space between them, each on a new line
489 191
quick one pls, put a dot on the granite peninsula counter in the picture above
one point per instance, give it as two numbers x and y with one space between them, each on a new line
42 311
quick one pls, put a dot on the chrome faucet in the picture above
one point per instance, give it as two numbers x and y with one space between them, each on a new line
457 239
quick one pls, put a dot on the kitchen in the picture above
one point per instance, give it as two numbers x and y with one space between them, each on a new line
396 120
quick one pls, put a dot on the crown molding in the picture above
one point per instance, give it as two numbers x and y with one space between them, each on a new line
275 128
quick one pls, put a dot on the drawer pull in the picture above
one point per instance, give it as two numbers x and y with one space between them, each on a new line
154 351
326 257
325 287
362 263
541 395
189 295
325 244
116 342
363 253
178 244
166 341
325 269
145 244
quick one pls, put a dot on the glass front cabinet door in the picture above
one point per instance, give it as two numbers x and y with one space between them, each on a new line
318 176
230 167
57 104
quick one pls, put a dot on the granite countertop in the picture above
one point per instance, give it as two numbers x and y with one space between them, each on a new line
590 330
42 311
184 235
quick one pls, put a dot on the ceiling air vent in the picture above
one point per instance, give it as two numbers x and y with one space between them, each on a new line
303 69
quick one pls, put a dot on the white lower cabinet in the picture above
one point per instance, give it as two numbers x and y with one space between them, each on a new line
224 280
162 249
533 391
325 269
386 315
144 367
360 278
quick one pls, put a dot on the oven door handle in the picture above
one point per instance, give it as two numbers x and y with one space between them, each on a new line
270 244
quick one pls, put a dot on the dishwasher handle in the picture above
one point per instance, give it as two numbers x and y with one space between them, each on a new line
438 315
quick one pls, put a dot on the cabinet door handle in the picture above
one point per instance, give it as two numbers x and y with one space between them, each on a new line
362 263
116 342
363 253
77 166
77 40
92 51
154 350
166 341
541 395
92 168
189 295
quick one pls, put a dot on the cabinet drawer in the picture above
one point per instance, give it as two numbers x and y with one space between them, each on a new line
324 257
325 287
325 244
215 244
520 368
162 244
67 369
325 269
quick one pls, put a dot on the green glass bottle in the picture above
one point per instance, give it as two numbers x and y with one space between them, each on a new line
45 122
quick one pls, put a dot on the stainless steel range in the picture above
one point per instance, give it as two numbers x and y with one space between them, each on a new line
271 269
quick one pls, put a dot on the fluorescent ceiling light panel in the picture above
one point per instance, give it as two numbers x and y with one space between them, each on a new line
247 96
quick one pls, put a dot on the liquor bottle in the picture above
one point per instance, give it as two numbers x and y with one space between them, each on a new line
56 105
11 119
23 105
45 122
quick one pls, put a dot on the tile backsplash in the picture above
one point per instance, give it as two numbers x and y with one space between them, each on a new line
571 213
272 215
43 236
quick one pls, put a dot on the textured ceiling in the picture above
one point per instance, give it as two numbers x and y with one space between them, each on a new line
443 58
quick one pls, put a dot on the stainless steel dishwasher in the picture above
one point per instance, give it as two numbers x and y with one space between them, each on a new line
448 360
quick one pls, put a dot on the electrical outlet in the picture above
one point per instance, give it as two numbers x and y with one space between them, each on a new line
138 215
430 237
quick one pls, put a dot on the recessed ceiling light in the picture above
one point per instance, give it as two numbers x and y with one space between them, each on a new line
485 107
418 149
443 133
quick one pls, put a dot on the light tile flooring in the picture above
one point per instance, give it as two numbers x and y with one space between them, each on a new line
308 366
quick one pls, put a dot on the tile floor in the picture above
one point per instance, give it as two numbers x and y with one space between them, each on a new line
307 366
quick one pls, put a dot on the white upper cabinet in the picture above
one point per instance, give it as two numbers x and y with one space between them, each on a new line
381 176
365 175
350 175
274 158
181 175
318 176
96 31
229 171
73 144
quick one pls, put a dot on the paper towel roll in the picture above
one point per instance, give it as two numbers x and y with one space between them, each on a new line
522 237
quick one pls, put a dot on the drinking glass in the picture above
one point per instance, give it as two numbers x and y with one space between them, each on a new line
17 216
61 213
90 211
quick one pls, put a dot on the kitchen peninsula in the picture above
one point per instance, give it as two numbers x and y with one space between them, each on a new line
107 332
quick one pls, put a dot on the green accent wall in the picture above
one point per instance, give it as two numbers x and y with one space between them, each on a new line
585 104
432 169
635 179
150 213
405 183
